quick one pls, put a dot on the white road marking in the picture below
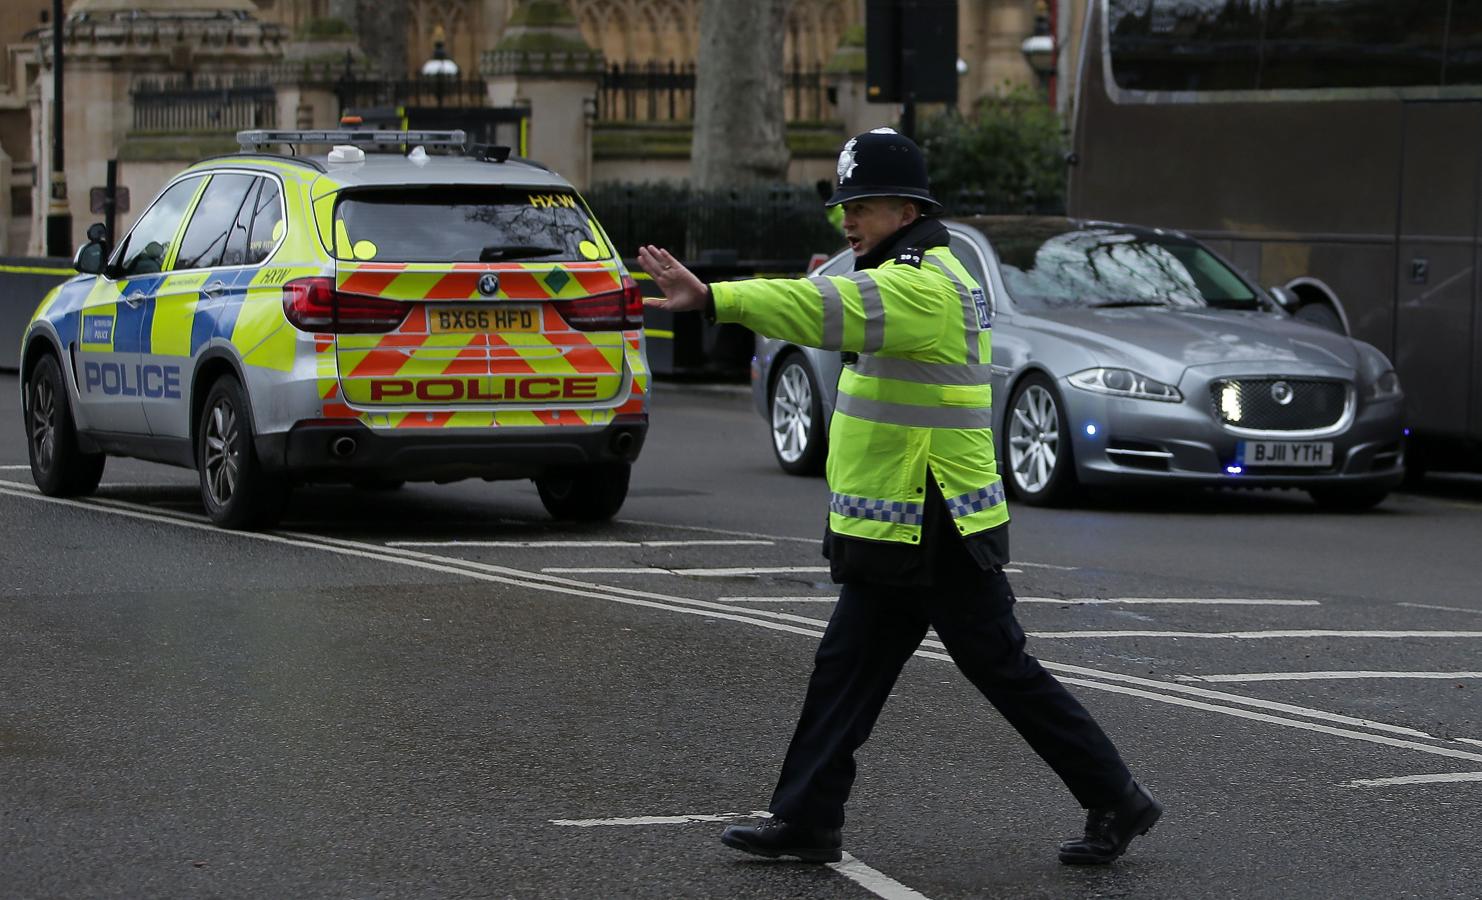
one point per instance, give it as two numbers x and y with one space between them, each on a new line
575 544
1443 778
807 540
1257 635
775 599
876 882
1237 699
867 877
758 618
748 534
1148 601
15 467
1324 676
1475 612
523 578
697 573
1469 741
661 820
731 572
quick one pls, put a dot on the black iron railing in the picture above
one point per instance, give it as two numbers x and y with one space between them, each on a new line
356 93
204 104
665 91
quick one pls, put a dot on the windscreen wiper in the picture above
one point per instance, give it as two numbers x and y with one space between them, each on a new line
516 251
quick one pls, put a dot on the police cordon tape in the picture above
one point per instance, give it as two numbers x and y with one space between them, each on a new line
23 282
679 345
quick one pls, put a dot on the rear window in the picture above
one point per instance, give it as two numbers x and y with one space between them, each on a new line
464 224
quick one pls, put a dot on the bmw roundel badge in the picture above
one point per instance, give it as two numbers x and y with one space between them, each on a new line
488 284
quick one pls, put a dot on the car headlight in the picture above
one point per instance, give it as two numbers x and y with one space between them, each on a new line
1385 387
1125 383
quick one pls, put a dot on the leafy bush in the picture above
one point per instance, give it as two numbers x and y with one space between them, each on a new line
1008 156
324 29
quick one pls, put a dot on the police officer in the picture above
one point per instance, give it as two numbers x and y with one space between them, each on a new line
917 524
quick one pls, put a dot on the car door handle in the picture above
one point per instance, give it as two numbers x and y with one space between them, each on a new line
214 289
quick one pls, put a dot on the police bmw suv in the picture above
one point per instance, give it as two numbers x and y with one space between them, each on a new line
369 316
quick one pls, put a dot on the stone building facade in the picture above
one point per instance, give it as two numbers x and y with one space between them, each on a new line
296 46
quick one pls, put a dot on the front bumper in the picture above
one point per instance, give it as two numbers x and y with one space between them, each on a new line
1143 441
348 451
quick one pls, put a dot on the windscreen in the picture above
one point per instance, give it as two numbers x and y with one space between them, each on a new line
1094 267
464 224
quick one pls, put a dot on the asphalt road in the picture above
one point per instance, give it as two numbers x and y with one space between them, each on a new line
439 692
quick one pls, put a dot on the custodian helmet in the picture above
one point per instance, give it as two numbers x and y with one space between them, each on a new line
882 163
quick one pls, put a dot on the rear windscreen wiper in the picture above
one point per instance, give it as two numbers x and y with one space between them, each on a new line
516 251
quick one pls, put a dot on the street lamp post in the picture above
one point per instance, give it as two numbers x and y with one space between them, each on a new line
58 215
439 68
1039 48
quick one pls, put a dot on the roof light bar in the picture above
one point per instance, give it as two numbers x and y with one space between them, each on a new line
250 140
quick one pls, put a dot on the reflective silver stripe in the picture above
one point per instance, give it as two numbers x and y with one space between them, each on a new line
976 501
923 372
833 313
902 512
915 416
874 311
969 311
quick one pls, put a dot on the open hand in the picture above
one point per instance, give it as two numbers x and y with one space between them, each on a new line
682 290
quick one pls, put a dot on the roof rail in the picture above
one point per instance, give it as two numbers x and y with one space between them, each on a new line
251 140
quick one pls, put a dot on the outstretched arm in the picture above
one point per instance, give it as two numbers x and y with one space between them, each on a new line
682 290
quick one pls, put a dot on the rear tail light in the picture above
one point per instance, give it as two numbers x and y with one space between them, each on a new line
312 304
613 311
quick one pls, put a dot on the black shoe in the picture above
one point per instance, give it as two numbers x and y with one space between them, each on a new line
1110 829
774 838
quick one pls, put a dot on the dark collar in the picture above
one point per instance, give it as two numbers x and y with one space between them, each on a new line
919 236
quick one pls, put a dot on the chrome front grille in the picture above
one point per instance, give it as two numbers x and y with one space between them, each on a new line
1255 404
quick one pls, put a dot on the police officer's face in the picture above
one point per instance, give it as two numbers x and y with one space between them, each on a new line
868 222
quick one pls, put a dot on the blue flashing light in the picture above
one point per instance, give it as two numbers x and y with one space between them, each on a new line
1407 432
1091 429
1234 470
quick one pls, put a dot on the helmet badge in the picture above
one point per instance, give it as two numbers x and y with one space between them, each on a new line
846 162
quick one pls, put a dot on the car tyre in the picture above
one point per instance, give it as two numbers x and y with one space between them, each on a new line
799 436
1340 499
235 489
1040 466
59 466
1320 314
587 494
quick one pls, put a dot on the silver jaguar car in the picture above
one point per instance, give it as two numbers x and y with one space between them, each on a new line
1126 355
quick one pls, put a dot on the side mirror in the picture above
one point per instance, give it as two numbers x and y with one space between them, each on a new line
90 257
1284 297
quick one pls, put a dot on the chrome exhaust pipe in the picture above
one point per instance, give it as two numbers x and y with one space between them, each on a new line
622 442
343 447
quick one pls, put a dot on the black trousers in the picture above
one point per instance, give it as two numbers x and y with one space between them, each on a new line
873 631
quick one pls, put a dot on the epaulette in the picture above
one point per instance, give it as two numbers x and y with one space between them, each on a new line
909 257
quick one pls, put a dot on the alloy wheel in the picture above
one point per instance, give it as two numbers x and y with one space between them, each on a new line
43 422
223 456
792 413
1034 439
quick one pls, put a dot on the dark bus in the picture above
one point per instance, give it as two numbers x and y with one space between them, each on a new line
1331 148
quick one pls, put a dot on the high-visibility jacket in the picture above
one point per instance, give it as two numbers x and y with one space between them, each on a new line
917 399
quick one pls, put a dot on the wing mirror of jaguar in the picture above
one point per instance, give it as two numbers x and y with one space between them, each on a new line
1284 297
